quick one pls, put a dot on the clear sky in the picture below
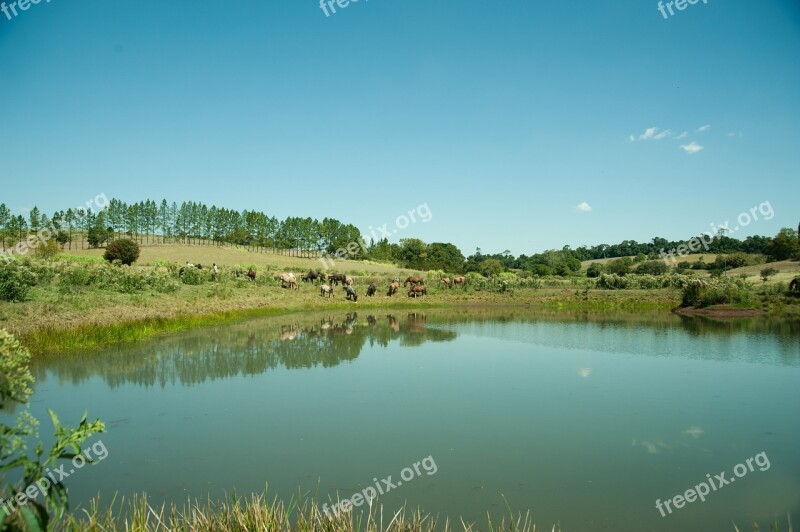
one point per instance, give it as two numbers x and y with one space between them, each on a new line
504 117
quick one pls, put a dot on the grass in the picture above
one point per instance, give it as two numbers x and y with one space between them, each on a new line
257 513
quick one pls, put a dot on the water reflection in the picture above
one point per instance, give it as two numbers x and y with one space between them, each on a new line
256 346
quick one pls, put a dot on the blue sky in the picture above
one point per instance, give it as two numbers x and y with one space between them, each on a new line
503 117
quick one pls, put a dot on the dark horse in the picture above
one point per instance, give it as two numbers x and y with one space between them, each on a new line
251 273
336 278
372 289
313 277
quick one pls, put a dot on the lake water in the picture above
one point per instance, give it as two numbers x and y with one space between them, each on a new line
584 421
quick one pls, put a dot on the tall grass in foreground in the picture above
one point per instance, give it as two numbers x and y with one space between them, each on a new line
256 513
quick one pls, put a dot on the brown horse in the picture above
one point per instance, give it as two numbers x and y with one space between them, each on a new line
413 280
251 274
418 290
393 288
446 282
336 278
460 280
372 289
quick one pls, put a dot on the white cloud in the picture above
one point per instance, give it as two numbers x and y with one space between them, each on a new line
631 139
682 135
691 148
583 207
701 129
652 133
737 134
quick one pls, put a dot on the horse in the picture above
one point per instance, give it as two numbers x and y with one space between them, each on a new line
325 290
288 280
413 281
312 276
417 290
251 274
446 282
336 278
348 280
393 288
794 286
460 280
372 289
351 293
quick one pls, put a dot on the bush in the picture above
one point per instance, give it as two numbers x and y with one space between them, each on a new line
727 290
652 267
193 276
47 250
766 273
124 250
16 280
595 269
620 266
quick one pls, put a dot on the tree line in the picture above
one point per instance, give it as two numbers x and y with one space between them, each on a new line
196 223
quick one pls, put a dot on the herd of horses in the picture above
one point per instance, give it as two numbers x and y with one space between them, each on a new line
416 284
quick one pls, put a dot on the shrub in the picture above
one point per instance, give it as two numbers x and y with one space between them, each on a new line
124 250
16 280
766 273
620 266
652 267
595 269
727 290
192 276
47 250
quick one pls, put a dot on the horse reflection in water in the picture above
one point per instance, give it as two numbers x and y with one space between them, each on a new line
416 323
393 323
327 326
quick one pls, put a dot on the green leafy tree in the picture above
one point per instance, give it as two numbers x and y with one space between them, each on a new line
124 250
785 245
595 269
491 268
766 273
620 266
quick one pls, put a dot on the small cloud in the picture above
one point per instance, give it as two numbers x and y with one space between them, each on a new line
691 148
653 133
631 139
583 207
736 134
682 135
694 432
701 129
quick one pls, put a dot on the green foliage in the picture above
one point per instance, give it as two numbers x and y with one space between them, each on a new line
620 266
726 290
652 267
193 276
595 269
124 250
491 268
97 236
766 273
15 387
16 280
785 245
46 250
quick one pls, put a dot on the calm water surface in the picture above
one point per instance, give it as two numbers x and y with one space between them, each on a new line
584 421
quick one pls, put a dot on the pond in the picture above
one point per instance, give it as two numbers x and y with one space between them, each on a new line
585 421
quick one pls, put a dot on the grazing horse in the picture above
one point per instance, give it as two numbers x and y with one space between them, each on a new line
446 282
351 293
288 280
794 286
348 280
312 276
413 280
325 290
460 280
336 278
417 290
393 288
251 274
372 289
